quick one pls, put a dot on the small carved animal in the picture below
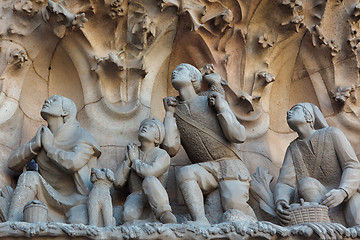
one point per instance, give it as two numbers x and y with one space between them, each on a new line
99 202
215 83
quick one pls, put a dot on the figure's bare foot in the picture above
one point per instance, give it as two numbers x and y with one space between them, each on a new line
200 221
168 217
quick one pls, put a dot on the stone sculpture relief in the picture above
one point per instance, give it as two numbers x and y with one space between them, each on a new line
65 153
319 166
206 127
145 168
100 207
115 58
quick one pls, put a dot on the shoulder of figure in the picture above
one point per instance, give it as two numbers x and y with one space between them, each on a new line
160 151
334 131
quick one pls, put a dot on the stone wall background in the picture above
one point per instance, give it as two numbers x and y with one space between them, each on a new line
114 59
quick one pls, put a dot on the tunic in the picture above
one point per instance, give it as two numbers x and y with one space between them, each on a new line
327 156
64 170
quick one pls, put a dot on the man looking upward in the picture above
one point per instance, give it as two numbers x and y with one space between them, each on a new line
207 129
65 154
319 166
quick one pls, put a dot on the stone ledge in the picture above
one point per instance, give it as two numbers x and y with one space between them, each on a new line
227 230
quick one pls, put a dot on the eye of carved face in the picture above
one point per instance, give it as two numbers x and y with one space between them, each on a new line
149 131
180 76
52 106
296 116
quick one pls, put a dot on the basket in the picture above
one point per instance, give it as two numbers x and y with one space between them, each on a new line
307 212
35 211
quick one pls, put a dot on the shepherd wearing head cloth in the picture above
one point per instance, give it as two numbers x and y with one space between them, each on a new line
65 154
319 166
146 168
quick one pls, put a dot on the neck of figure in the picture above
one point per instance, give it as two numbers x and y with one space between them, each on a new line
187 93
146 145
305 131
54 123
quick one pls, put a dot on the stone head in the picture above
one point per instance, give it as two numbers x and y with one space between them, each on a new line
214 79
59 106
152 130
185 75
305 113
101 174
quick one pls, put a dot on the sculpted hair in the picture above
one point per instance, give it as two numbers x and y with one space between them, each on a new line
160 127
195 75
69 107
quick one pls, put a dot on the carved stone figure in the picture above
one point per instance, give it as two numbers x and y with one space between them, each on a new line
99 204
319 166
65 153
207 129
143 31
145 168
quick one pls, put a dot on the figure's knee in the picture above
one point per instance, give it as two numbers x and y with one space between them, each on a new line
131 214
150 182
185 173
29 179
133 207
352 210
234 193
311 189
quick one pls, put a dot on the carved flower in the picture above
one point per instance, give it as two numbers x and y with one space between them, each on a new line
334 47
298 21
293 3
343 93
264 41
17 57
356 12
116 9
79 20
268 77
355 41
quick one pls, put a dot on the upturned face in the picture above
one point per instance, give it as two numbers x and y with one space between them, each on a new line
148 131
181 77
296 116
52 107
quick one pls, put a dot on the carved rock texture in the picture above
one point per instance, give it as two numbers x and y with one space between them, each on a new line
114 59
229 230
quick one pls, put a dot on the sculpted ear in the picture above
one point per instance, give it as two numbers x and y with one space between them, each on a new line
65 113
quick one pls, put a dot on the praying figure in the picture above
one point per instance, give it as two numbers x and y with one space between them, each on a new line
145 168
65 154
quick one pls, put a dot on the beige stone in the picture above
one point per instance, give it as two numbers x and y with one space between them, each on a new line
114 59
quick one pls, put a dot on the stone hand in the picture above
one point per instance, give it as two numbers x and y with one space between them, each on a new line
127 159
47 138
218 101
282 210
334 197
170 104
132 151
38 137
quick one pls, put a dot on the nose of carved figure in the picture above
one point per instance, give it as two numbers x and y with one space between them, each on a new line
288 114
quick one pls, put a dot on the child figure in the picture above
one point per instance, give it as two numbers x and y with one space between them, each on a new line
145 168
99 203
